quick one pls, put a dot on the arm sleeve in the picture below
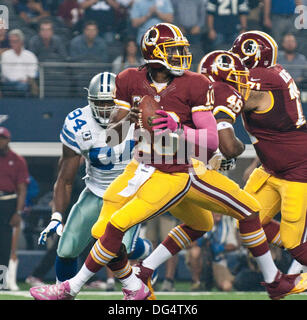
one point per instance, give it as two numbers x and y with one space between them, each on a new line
203 121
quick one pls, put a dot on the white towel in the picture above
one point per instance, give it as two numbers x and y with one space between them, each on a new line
141 175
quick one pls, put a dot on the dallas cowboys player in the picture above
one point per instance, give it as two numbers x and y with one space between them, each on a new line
83 135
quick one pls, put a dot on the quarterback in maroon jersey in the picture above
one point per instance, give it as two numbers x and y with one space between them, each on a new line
274 119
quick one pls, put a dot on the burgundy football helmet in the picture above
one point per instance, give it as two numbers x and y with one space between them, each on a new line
164 44
222 65
256 49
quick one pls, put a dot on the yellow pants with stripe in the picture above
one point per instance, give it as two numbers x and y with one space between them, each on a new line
278 195
158 194
213 191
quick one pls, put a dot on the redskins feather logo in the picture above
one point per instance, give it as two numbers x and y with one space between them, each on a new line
151 37
224 62
249 47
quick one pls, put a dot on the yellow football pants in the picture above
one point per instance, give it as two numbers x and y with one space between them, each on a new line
211 190
158 194
279 195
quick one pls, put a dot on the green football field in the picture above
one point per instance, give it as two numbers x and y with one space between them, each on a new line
90 295
182 293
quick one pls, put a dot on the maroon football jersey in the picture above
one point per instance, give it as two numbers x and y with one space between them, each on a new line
228 102
279 133
180 97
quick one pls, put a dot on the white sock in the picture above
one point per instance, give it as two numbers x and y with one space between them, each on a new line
157 257
132 282
78 281
267 267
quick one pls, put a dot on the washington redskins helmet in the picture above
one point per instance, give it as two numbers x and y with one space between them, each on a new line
256 49
164 44
221 65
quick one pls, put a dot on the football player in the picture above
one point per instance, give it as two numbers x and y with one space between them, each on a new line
274 118
214 191
147 190
83 137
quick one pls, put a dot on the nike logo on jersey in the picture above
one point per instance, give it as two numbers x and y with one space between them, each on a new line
252 79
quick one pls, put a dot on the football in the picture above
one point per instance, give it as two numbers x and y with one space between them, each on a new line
148 106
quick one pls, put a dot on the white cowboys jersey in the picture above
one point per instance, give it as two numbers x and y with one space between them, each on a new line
82 133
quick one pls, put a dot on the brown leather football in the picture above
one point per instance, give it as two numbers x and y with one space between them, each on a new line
148 106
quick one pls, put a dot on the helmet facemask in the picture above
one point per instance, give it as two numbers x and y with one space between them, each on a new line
175 55
226 64
240 78
101 110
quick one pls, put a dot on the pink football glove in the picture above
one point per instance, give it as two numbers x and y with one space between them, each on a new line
166 122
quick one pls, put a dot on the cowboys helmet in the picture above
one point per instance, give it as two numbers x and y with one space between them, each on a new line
101 89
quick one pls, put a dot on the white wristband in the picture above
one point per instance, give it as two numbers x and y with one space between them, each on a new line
224 125
56 216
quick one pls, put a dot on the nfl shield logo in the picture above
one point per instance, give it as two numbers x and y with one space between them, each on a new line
157 98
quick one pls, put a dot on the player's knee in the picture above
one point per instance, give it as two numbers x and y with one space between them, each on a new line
98 228
66 251
204 225
122 222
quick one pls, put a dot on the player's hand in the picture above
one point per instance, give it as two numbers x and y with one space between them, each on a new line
214 162
53 226
229 164
134 113
164 123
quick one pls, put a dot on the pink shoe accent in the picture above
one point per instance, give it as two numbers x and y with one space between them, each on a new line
52 292
142 294
145 274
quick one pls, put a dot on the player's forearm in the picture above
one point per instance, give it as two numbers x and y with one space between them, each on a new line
205 124
61 196
117 132
229 145
119 125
